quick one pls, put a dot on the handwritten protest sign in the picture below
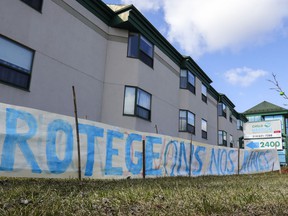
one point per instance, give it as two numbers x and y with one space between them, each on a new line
35 143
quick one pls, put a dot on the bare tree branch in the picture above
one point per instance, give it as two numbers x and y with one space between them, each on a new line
277 87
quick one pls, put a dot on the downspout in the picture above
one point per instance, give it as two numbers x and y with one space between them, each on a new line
217 128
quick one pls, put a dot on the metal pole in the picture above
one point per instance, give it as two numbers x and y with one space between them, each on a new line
144 159
77 133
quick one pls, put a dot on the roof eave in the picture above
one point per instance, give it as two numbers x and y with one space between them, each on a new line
137 22
191 65
98 8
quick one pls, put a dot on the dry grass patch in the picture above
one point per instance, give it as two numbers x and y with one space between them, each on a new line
261 194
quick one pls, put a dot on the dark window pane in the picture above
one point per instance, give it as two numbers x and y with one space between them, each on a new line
133 45
15 63
190 129
145 58
137 103
204 134
191 78
146 46
143 113
36 4
13 77
204 98
220 111
143 99
191 88
142 51
191 118
204 90
183 82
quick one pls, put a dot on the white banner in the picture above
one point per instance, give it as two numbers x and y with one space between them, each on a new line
35 143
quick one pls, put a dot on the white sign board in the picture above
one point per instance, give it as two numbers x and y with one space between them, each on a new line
263 143
263 129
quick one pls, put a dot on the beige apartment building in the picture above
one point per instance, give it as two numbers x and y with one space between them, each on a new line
124 71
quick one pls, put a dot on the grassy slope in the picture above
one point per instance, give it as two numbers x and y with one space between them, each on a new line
261 194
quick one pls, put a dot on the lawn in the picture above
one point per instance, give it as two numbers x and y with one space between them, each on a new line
261 194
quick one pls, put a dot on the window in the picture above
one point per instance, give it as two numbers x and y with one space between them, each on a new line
275 117
231 141
137 102
255 118
186 121
204 128
187 80
36 4
222 109
15 63
222 138
139 47
204 93
239 124
230 115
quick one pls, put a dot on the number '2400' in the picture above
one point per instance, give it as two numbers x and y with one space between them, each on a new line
269 144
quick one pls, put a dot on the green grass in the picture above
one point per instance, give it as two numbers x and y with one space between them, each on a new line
261 194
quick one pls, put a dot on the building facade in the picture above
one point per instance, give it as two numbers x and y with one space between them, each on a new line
124 71
266 111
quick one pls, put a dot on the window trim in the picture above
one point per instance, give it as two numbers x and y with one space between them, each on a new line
224 141
204 96
231 141
135 114
239 124
204 133
222 110
189 86
141 52
188 130
17 69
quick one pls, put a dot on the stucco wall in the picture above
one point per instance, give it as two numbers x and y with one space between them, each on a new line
67 52
161 81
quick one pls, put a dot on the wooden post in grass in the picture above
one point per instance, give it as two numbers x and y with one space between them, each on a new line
144 159
238 159
190 156
77 133
156 128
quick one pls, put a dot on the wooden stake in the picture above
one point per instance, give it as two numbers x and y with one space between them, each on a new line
144 159
156 128
77 133
239 158
190 156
